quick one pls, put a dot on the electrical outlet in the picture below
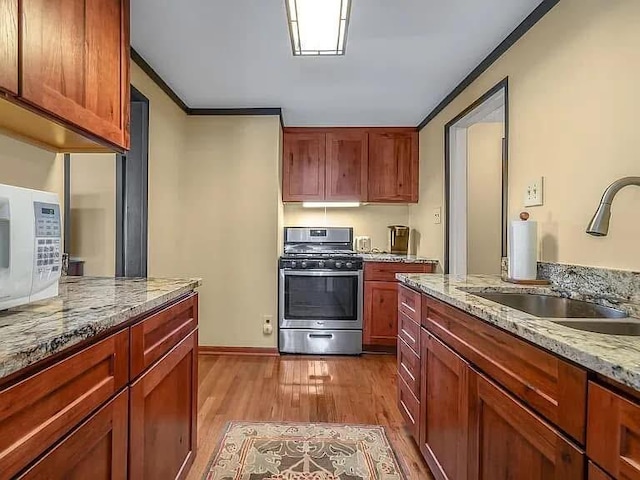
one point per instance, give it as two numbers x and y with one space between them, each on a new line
437 216
534 195
267 324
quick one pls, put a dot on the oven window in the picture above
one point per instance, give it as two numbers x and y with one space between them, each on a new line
321 298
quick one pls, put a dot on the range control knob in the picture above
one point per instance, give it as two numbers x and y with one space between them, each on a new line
338 264
303 264
349 264
293 264
321 264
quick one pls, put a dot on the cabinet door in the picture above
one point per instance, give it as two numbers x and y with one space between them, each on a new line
596 474
444 418
75 63
613 432
347 160
9 46
380 313
162 435
393 167
510 441
303 170
97 449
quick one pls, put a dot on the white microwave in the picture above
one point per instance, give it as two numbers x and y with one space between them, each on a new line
30 245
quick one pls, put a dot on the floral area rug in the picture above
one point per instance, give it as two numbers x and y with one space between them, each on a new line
305 451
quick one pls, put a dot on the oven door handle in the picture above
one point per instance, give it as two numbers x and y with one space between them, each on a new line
320 273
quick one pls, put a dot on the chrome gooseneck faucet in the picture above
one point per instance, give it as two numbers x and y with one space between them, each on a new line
599 225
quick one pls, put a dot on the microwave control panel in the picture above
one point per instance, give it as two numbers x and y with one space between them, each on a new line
48 235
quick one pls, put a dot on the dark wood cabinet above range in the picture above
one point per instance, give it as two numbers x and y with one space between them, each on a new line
350 164
9 46
70 89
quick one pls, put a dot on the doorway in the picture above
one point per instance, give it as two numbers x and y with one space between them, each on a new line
132 186
476 173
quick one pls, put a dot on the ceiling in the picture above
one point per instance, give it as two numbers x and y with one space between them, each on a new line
403 56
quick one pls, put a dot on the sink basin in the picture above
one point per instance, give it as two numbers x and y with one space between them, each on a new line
553 307
610 327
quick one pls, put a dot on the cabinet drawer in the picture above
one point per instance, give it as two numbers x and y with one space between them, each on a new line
38 411
156 335
409 367
549 385
613 432
96 449
409 408
409 303
409 331
386 271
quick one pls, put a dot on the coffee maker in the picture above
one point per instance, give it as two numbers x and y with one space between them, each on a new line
399 239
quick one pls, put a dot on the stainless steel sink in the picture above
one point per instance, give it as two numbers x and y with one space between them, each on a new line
552 307
610 327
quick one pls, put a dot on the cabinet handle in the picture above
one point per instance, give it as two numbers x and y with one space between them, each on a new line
408 371
406 305
409 335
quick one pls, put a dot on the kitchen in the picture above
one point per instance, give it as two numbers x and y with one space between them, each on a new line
571 70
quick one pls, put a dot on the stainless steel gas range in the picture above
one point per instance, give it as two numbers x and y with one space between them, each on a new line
320 292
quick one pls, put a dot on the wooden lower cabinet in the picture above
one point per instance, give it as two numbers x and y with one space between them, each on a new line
380 312
507 440
596 474
383 297
163 408
96 450
613 432
444 416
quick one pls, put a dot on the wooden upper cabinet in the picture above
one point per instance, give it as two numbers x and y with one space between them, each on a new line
9 46
347 158
510 441
350 164
393 166
303 172
75 63
444 419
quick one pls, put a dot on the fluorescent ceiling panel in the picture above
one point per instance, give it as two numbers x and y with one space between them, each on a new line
318 27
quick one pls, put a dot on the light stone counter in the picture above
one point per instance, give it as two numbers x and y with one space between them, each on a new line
614 356
395 258
86 307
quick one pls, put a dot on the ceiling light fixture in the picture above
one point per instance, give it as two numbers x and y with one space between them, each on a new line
330 204
318 27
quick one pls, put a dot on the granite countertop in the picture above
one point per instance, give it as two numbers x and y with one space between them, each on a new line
85 307
614 356
395 258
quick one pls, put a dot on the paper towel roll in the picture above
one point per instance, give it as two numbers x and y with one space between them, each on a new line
523 250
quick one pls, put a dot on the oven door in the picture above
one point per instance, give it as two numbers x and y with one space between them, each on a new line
321 299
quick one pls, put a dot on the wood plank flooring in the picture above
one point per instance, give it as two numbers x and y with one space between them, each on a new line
359 390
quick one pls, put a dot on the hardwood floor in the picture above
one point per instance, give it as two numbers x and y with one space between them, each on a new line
359 390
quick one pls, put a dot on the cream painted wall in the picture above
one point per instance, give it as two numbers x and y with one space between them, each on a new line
369 220
484 198
93 212
167 136
574 100
229 197
25 165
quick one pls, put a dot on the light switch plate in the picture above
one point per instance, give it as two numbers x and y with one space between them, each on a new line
437 216
534 195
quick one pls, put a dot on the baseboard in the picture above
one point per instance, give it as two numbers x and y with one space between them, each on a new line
380 349
220 350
